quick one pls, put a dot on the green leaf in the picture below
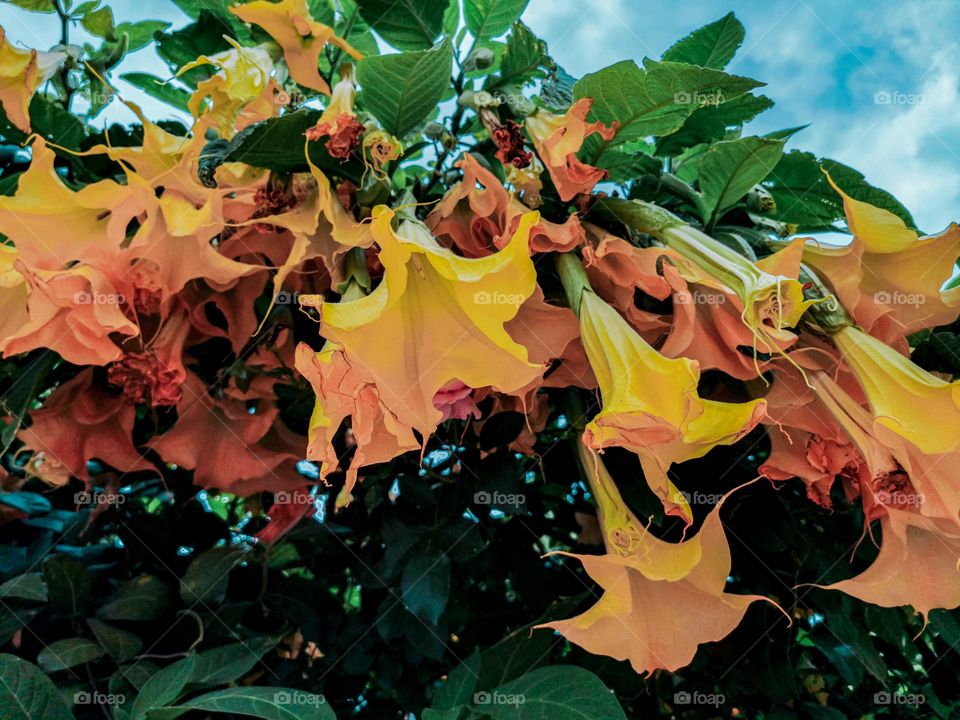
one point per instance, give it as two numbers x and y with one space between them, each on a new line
27 694
28 503
140 33
229 663
524 58
143 598
260 702
42 6
68 653
121 644
458 688
164 91
29 586
426 585
405 24
490 18
164 687
712 46
207 576
99 22
654 100
203 37
68 583
218 9
402 90
712 122
558 692
729 169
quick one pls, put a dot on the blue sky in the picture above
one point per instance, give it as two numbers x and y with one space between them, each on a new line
825 62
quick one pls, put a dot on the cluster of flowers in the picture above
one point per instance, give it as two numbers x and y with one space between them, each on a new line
435 315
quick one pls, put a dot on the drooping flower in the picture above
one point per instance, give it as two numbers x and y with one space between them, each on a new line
339 122
301 37
888 270
650 402
241 92
345 389
379 148
435 317
78 423
559 138
768 290
21 73
660 600
478 216
905 398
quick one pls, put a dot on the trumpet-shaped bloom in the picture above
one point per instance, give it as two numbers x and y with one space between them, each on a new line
21 73
240 93
301 37
904 397
559 138
660 600
343 390
339 123
888 270
479 216
435 317
650 402
78 423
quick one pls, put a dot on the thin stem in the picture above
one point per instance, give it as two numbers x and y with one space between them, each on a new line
574 278
64 73
339 52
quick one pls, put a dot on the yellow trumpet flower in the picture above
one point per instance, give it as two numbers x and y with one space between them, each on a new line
21 73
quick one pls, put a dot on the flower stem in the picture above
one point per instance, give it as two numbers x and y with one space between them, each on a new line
574 278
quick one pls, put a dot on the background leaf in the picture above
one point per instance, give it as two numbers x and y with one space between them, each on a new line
712 46
27 694
405 24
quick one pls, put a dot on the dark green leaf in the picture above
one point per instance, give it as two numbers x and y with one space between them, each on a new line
490 18
43 6
141 33
27 694
29 586
68 653
143 598
458 688
164 687
206 579
712 122
712 46
729 169
68 583
18 397
405 24
655 100
121 644
229 663
260 702
426 585
558 692
402 90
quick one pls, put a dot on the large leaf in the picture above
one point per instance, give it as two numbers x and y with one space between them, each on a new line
43 6
259 702
29 586
712 46
712 122
524 57
654 100
278 144
559 692
229 663
121 644
729 169
164 687
426 585
206 579
401 90
68 653
490 18
405 24
143 598
27 694
68 583
458 688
